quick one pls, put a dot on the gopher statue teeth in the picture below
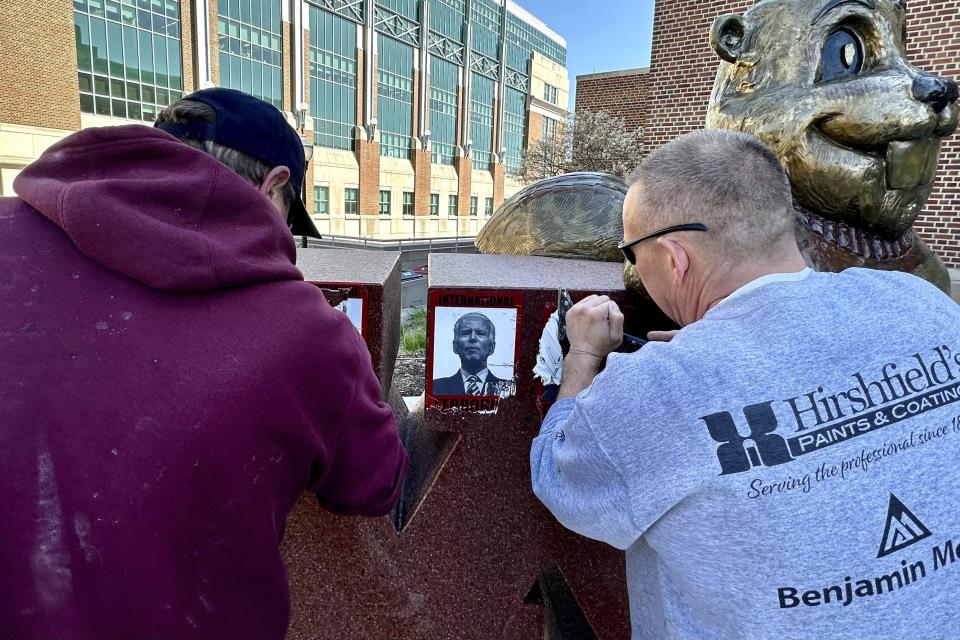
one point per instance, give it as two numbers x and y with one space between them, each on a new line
826 85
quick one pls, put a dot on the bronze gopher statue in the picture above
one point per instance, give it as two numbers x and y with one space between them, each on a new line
827 86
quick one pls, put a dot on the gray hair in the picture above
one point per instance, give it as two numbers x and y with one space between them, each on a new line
479 316
729 181
251 169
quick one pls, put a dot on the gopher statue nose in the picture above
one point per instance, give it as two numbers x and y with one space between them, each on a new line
936 91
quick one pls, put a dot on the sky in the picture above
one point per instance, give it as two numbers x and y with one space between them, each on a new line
601 36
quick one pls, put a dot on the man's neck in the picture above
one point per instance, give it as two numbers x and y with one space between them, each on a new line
721 285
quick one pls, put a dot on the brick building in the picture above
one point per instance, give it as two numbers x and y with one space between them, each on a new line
673 95
417 111
620 93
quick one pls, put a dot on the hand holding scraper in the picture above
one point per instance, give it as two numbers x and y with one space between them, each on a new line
630 344
554 346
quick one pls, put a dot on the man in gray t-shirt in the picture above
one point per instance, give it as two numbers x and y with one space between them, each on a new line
787 465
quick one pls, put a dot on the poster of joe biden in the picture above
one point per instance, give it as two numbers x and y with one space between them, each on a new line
477 357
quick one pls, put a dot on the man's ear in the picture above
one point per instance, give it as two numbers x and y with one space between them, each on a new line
276 179
679 260
727 36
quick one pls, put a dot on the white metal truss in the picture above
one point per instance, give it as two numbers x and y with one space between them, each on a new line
398 26
485 65
445 48
350 9
517 80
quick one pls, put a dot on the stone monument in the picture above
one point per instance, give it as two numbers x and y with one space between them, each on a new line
469 552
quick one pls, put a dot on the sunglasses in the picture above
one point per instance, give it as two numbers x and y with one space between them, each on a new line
626 247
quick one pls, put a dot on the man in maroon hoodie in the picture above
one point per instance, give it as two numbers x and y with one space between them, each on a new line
169 385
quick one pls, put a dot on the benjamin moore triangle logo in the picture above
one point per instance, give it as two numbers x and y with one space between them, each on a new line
902 529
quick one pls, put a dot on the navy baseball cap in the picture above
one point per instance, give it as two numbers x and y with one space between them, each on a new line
257 129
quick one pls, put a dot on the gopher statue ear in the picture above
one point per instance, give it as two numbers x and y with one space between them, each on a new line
726 36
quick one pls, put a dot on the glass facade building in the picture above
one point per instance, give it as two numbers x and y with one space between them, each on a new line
395 96
129 58
514 127
413 107
333 79
481 121
250 52
444 81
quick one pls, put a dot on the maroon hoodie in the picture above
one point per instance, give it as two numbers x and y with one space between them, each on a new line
169 386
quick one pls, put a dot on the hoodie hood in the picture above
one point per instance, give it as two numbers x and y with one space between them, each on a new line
141 203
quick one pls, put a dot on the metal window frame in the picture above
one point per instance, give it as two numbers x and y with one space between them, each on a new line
389 202
325 200
355 201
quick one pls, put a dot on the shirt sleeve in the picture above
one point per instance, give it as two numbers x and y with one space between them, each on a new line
368 461
577 481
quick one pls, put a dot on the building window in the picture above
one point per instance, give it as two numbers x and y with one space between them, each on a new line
522 39
128 57
321 201
453 207
485 20
407 203
384 203
488 209
333 79
351 202
550 93
250 58
549 131
514 128
394 97
474 205
444 77
446 18
481 121
434 204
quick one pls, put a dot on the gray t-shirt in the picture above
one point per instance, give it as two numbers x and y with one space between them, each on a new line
787 467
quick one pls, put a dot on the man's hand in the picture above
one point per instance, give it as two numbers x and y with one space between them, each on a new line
595 330
595 327
662 336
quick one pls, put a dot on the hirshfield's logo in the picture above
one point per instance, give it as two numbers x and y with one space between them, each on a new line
896 393
902 530
741 453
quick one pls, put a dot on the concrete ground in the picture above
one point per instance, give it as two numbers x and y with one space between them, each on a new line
955 279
